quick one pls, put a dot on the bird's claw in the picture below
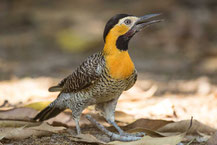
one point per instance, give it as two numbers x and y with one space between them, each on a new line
121 137
138 134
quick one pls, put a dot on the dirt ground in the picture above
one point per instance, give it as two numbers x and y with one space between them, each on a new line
148 99
176 60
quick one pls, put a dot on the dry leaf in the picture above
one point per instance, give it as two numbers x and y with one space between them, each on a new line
87 138
203 137
25 132
153 133
17 123
147 140
136 93
146 131
18 114
38 105
183 125
17 133
45 127
124 117
213 139
147 124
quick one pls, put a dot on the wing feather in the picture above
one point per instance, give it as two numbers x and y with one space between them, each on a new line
84 76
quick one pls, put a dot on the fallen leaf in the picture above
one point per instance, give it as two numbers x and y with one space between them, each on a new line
18 91
203 137
183 125
147 140
25 132
213 139
189 143
45 127
13 133
136 93
17 123
18 114
153 133
38 105
146 131
87 138
147 124
124 117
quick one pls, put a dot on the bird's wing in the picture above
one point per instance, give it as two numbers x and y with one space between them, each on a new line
84 76
132 80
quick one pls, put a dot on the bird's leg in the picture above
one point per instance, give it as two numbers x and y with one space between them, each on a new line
107 111
78 129
76 113
122 133
112 135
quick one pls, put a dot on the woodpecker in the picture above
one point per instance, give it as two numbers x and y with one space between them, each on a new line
103 76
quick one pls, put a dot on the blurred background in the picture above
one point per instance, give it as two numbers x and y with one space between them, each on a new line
43 41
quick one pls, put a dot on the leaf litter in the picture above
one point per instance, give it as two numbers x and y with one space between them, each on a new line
168 131
25 131
159 132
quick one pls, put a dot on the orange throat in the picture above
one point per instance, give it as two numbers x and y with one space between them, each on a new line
118 63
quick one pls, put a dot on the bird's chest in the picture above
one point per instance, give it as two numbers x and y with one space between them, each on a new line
106 91
120 65
109 88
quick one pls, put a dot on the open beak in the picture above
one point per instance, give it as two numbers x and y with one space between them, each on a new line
141 23
145 21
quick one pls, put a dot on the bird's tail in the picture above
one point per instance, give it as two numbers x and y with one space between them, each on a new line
47 113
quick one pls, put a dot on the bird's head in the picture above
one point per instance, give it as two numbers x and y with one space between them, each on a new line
122 27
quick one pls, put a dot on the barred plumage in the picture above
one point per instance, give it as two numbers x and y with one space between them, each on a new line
103 76
89 84
83 76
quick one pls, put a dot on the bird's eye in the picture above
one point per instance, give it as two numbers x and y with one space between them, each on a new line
127 21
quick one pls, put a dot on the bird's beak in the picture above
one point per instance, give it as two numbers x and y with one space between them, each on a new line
141 23
145 20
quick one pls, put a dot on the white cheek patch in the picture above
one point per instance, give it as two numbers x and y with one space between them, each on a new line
132 18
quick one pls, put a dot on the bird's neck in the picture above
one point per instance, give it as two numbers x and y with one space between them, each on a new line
118 61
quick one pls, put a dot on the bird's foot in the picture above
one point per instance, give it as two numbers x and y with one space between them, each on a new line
122 133
138 134
121 137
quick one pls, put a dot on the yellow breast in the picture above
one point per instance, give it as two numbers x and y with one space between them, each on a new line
118 62
120 65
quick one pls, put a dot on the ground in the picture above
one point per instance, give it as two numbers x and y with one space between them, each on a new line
42 42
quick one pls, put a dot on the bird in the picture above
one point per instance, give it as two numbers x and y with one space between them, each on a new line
102 77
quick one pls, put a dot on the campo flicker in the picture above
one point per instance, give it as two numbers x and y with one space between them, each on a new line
103 76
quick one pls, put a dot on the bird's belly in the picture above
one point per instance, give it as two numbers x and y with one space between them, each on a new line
103 92
106 96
